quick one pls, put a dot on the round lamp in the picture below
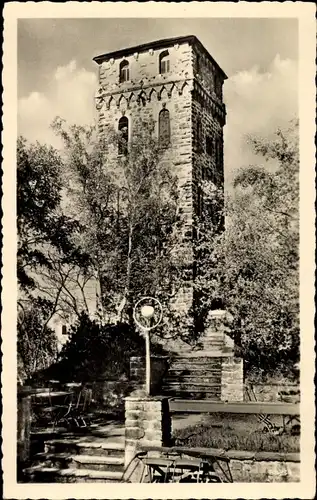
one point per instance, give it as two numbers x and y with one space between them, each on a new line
147 311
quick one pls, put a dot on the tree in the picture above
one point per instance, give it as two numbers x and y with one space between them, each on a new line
252 269
40 220
43 231
87 218
127 207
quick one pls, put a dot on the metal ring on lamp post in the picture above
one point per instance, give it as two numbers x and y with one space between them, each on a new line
148 328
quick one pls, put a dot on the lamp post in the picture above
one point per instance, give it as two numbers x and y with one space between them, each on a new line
147 312
143 314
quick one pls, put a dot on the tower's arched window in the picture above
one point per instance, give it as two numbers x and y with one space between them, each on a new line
164 128
124 71
164 62
123 129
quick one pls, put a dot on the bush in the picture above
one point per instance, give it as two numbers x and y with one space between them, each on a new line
95 351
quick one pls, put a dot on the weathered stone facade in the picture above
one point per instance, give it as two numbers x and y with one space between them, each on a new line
232 379
134 84
281 469
23 424
286 391
147 423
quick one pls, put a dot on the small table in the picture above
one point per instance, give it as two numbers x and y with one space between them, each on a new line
49 403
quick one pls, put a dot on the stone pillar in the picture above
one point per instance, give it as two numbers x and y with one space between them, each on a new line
24 425
232 379
147 423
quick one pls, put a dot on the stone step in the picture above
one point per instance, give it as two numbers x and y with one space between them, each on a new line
101 463
214 335
47 432
216 342
195 371
92 462
209 346
56 475
57 460
194 379
190 385
197 361
192 394
192 358
180 391
211 339
77 447
193 367
212 355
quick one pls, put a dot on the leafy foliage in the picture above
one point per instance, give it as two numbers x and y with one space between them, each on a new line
123 232
94 350
44 240
252 270
39 218
127 207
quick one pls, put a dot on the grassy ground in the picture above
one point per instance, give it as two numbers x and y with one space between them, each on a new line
236 432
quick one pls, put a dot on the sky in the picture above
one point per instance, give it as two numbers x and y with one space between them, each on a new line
57 76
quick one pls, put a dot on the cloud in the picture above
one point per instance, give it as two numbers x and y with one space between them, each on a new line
258 103
70 95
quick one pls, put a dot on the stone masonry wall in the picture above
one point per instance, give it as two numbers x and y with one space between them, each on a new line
159 365
232 379
259 467
246 471
142 99
284 391
179 152
208 110
206 166
23 425
144 67
147 423
207 73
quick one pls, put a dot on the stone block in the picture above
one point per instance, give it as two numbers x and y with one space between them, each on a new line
147 421
23 425
132 433
232 379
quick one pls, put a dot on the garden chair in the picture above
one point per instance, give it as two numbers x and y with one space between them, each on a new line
75 415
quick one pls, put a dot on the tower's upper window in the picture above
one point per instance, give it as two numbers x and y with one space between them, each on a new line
124 71
164 62
164 128
123 129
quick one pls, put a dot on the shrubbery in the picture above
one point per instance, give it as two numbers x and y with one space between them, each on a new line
94 351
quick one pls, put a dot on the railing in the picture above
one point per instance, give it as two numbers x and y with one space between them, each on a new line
204 406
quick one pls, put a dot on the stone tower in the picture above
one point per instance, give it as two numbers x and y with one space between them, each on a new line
178 84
